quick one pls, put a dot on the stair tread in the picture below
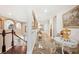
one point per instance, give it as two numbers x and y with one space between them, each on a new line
17 50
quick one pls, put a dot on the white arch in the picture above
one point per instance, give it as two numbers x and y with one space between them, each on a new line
18 25
7 23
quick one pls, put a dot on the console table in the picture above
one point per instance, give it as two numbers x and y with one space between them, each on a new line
70 43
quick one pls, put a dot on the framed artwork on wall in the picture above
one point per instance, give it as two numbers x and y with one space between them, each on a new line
1 23
71 18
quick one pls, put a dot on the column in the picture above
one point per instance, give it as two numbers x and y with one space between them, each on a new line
29 32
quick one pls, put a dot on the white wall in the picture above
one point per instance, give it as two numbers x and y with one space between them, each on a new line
75 34
46 27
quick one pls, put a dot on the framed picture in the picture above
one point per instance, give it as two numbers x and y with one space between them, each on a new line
1 23
71 18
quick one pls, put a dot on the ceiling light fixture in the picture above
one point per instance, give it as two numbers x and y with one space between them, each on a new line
45 10
9 14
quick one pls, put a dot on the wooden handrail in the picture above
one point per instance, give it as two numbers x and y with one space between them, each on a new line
20 37
6 33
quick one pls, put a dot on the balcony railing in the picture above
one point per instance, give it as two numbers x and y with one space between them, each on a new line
4 33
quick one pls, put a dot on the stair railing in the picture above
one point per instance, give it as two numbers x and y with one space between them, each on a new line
3 35
12 43
20 38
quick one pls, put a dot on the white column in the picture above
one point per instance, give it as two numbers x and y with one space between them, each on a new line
54 27
29 31
59 22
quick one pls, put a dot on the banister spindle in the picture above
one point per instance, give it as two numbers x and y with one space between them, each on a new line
4 46
12 44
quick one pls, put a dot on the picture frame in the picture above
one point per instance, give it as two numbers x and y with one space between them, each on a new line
71 18
1 23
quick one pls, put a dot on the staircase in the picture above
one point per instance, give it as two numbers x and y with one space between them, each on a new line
19 48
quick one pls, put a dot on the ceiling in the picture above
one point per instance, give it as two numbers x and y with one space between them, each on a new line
23 12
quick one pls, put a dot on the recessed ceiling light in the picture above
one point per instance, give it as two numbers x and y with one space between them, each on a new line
45 10
9 14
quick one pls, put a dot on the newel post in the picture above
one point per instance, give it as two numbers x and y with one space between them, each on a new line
4 46
12 44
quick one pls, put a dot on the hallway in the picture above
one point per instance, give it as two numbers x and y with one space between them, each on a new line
39 29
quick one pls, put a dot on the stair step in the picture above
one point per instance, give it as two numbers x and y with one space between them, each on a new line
17 50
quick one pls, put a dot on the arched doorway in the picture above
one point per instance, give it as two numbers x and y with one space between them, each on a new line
18 25
8 24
